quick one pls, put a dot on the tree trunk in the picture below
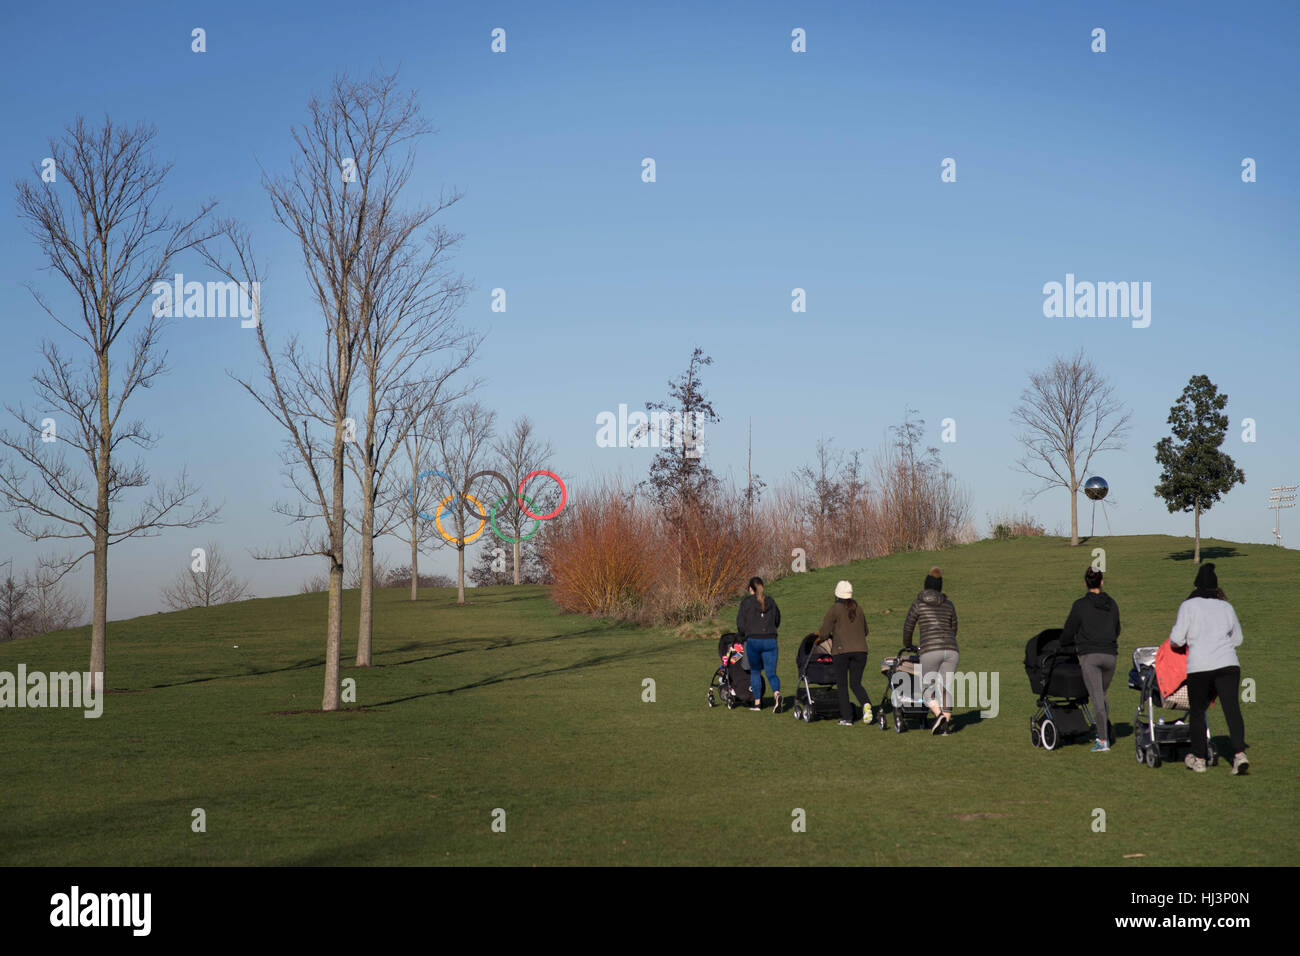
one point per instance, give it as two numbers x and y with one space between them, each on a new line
415 562
334 629
330 701
1074 513
99 618
460 575
365 630
367 578
515 547
1196 556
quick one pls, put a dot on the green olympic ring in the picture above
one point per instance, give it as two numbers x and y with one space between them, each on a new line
492 512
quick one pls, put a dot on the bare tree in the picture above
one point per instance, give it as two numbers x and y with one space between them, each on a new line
407 299
1069 415
412 499
15 609
53 608
99 227
379 566
350 156
462 438
205 582
519 452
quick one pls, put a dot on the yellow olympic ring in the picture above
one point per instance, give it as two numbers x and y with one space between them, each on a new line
483 521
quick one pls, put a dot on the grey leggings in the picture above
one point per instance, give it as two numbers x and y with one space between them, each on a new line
1098 669
945 664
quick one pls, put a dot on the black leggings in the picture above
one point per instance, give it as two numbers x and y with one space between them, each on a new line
848 670
1225 681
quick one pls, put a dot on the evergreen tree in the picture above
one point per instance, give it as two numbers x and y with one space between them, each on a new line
1195 472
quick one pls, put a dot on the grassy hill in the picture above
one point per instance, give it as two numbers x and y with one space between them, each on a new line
506 704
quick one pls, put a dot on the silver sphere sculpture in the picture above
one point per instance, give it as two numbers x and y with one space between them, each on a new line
1096 488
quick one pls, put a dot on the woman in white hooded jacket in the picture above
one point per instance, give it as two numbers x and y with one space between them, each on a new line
1207 626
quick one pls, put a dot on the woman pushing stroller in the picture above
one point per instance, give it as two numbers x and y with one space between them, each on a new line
1208 627
938 622
757 621
846 625
1092 631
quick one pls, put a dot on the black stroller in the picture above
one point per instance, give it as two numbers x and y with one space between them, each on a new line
903 697
816 695
731 679
1054 675
1151 732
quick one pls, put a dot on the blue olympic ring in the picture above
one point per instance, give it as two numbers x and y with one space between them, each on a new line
455 494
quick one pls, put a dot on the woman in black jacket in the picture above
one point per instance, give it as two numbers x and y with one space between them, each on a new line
756 622
1092 630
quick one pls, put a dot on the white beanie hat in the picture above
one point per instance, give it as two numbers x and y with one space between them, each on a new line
844 590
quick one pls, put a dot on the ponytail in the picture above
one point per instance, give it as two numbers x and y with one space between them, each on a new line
756 585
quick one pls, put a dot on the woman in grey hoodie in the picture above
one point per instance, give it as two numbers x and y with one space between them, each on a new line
938 620
1207 625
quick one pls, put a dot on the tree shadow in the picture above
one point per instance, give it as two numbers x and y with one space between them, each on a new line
596 661
1215 553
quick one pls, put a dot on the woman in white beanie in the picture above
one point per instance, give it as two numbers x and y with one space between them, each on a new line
846 625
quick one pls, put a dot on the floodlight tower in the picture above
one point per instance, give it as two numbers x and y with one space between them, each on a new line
1282 496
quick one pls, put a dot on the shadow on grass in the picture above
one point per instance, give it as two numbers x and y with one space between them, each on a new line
596 661
1207 554
301 665
477 644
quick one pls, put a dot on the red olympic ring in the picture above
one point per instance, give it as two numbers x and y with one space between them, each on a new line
564 494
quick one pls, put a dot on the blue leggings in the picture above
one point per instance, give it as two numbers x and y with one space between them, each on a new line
762 657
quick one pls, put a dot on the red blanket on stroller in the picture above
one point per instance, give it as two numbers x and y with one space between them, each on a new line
1171 669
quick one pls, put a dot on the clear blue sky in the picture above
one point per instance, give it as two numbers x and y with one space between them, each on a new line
775 170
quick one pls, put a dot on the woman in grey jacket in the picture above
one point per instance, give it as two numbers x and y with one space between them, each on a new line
1207 625
938 620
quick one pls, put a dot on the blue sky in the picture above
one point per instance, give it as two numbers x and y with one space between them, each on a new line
775 170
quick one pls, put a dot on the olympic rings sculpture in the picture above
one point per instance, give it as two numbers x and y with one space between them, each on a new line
489 516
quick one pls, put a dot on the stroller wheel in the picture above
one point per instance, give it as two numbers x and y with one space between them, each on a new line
1048 734
898 721
808 714
881 719
731 703
710 698
1140 755
1036 738
797 710
1153 756
1212 754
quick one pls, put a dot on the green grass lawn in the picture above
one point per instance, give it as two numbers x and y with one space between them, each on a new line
505 703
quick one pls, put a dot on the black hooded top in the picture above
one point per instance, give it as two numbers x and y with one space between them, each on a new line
1093 625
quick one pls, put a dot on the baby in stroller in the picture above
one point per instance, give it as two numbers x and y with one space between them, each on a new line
731 678
1152 669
